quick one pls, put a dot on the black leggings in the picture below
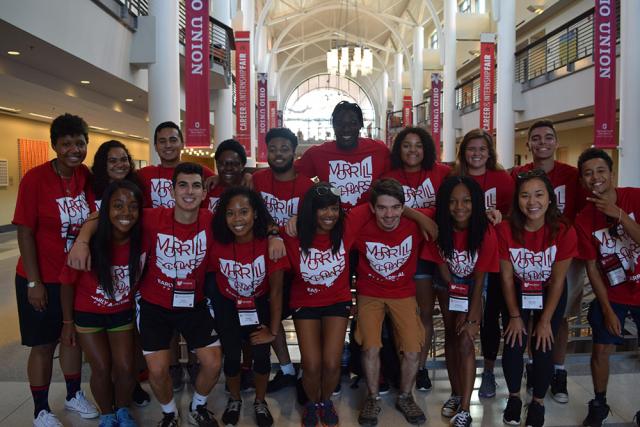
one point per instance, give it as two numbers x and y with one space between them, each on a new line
490 333
232 334
512 364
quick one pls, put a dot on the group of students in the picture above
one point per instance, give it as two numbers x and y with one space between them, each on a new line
222 259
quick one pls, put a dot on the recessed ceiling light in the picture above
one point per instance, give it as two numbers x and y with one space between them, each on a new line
129 100
42 116
117 132
85 82
13 52
580 114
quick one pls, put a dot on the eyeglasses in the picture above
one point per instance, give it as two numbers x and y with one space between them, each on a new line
326 189
533 173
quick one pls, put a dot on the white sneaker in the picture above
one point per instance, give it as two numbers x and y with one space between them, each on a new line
81 406
46 419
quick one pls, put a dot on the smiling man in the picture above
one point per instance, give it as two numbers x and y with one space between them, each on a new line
230 162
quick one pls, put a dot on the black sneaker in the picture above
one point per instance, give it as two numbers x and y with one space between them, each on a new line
192 371
202 417
328 414
559 386
636 419
247 382
461 419
383 388
423 383
263 416
598 413
231 413
535 415
170 419
140 397
511 414
338 390
280 381
177 377
301 395
529 376
310 415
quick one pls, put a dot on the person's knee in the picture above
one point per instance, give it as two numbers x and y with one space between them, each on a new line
329 365
600 352
158 370
466 347
312 368
43 351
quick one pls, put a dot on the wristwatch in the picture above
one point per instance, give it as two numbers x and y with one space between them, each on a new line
33 284
274 232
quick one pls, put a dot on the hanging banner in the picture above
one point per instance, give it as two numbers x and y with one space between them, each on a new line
279 114
407 111
243 109
487 80
273 113
263 118
604 56
434 113
196 72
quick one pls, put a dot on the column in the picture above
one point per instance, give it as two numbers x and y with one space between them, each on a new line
164 74
628 170
418 73
449 82
223 98
397 83
505 117
382 123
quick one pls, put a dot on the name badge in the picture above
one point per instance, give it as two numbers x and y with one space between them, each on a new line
247 313
532 295
613 269
458 297
184 293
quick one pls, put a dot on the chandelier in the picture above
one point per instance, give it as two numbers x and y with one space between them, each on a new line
354 59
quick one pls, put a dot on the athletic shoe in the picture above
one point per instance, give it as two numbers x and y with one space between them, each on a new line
46 419
338 389
636 419
108 420
423 383
140 397
280 381
328 414
231 413
369 413
535 415
529 376
511 414
247 382
383 388
170 419
192 372
411 411
263 416
310 415
488 385
177 377
124 418
559 386
451 406
202 417
461 419
301 395
598 413
80 405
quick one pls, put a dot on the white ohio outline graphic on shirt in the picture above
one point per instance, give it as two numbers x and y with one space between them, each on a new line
243 278
386 260
177 258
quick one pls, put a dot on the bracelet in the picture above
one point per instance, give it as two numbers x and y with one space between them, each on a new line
471 322
67 322
514 317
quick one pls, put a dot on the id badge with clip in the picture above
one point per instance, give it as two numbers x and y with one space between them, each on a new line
184 293
458 297
613 269
247 313
532 295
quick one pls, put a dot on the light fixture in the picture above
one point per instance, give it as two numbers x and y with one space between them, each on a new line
9 109
85 82
134 136
580 114
129 100
354 59
98 128
117 132
535 9
13 52
42 116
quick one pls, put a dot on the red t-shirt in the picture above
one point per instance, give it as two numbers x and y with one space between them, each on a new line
175 251
156 185
595 241
282 198
566 184
90 296
352 171
420 187
321 277
213 198
533 260
54 209
461 263
498 187
243 269
387 259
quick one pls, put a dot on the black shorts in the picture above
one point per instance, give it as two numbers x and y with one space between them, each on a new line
158 324
39 327
99 322
340 309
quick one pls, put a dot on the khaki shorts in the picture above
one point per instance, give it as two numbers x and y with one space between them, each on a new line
576 279
407 327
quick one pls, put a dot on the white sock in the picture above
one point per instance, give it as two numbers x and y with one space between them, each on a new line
169 407
558 367
288 369
198 400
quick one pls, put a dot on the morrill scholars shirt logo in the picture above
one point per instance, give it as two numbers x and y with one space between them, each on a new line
353 179
624 246
243 278
176 258
213 204
121 287
533 266
386 260
561 196
73 212
280 210
321 267
461 263
490 198
422 197
161 193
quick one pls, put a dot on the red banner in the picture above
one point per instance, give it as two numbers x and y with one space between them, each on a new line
487 80
263 118
604 56
243 107
436 108
407 111
197 74
273 113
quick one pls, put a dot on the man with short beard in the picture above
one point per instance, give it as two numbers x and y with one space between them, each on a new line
230 162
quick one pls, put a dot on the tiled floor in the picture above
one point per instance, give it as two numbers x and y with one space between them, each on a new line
16 407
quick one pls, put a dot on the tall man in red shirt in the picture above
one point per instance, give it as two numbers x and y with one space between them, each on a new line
609 241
